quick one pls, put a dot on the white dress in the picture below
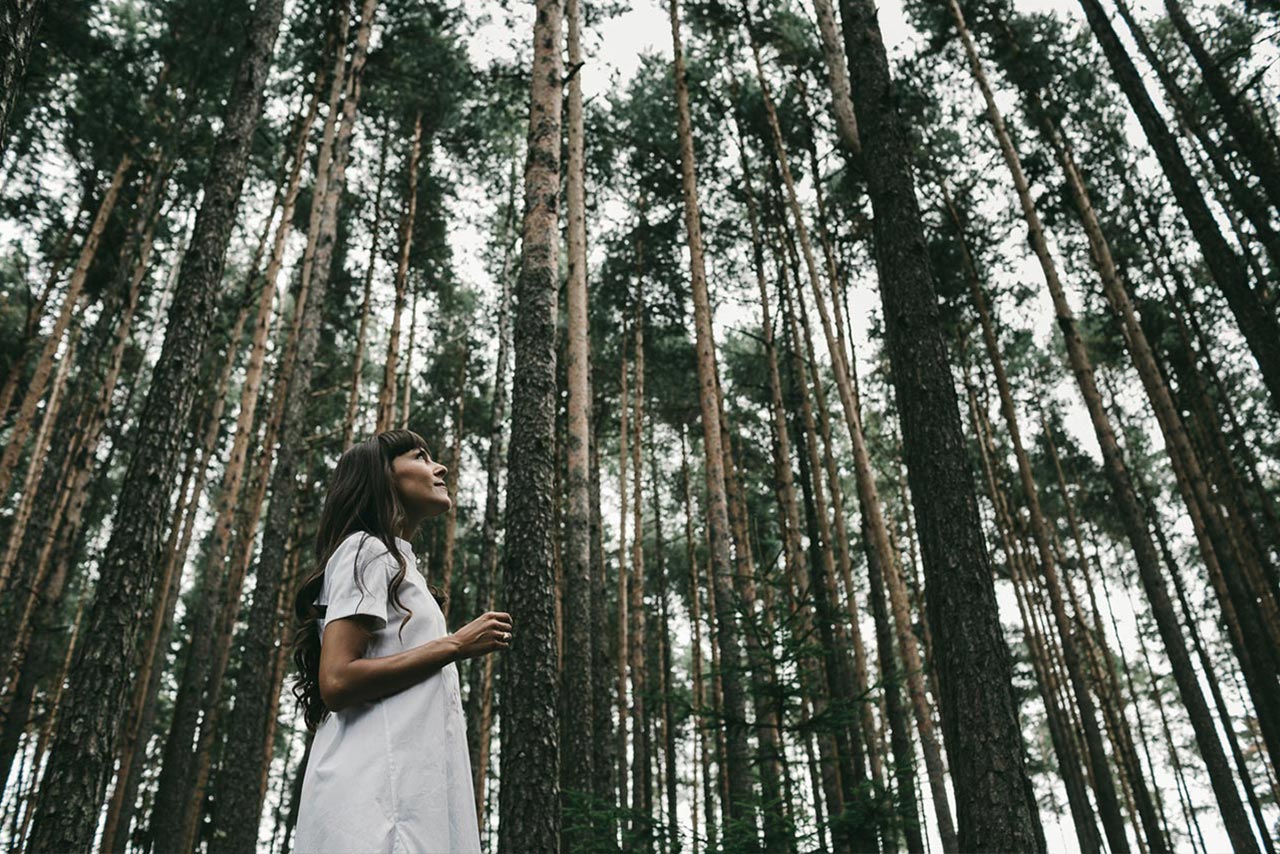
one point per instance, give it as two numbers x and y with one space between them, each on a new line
392 775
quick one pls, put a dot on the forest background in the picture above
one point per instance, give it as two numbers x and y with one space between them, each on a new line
830 520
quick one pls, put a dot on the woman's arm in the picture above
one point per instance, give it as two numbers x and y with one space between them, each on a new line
347 678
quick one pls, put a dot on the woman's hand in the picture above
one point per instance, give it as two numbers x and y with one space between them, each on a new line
483 635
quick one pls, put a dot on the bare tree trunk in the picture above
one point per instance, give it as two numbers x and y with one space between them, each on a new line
740 823
98 689
700 711
357 364
530 731
17 438
480 677
603 745
641 779
387 396
451 477
995 803
577 771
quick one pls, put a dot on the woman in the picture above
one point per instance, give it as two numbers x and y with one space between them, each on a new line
389 769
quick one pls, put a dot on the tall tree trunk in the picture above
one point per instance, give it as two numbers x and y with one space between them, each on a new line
604 761
622 627
17 438
641 777
479 707
996 806
253 713
19 25
387 396
702 760
740 824
85 739
357 364
1259 325
577 771
455 464
1226 556
665 687
530 682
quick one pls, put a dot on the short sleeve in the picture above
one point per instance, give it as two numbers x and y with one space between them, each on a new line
356 578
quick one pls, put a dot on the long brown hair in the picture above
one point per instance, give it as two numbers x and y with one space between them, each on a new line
361 498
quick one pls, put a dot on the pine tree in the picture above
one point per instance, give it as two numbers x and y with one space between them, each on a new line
85 738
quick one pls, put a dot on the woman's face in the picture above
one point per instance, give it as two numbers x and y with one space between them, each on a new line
419 481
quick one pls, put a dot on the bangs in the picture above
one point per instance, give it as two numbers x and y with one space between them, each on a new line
398 442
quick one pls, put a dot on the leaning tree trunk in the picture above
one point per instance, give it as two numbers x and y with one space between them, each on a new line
1249 595
237 817
357 362
577 770
387 395
1104 785
1248 133
1257 322
740 820
996 807
19 24
16 440
530 683
79 764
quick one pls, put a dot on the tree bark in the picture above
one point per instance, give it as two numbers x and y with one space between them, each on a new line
641 778
577 771
740 824
530 682
357 364
995 806
479 707
86 735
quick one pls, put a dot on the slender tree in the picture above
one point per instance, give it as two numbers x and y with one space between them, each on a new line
84 741
578 719
1260 327
995 807
740 821
530 681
